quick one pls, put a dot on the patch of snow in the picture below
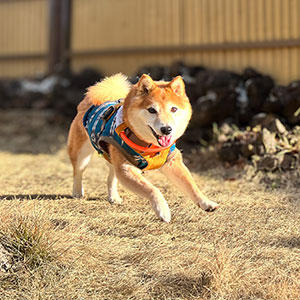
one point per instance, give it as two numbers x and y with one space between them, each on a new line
242 98
210 95
45 86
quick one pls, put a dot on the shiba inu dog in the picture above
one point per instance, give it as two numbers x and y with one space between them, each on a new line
135 127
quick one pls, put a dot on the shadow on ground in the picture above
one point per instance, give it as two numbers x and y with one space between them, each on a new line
34 197
178 286
286 242
48 197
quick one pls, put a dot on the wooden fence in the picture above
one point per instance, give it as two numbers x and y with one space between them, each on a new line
122 35
23 37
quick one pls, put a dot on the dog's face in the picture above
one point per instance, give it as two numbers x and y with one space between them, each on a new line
158 112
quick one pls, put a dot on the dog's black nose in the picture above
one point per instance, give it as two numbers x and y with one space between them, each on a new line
166 130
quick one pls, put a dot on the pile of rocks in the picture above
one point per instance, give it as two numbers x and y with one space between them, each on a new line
216 95
269 145
59 93
223 103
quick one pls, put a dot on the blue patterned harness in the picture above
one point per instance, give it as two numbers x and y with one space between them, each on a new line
100 123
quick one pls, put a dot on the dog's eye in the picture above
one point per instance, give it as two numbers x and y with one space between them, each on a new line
173 109
152 110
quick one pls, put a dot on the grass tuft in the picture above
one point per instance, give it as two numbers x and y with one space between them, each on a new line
26 240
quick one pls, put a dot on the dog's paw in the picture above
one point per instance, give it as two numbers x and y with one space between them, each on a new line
115 199
165 216
78 194
162 211
208 205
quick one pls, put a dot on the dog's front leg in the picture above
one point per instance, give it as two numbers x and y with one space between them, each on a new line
132 179
178 173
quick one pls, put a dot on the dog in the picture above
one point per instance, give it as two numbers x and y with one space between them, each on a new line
135 128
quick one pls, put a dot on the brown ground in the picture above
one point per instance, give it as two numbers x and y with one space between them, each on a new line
88 249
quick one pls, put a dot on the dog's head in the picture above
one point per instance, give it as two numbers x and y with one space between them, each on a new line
157 112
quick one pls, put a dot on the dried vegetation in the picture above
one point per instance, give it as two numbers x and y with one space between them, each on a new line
56 247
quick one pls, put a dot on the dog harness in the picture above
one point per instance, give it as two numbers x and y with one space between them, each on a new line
104 125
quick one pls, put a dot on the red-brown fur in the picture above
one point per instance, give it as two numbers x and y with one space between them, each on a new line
140 96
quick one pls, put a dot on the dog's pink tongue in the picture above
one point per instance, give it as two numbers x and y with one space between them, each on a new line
165 140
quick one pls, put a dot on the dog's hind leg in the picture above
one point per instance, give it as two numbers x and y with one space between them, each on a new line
83 159
80 152
112 185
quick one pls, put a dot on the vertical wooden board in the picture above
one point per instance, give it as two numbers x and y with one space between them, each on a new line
139 15
269 19
94 25
194 58
258 20
243 59
195 21
253 57
149 24
244 20
190 10
220 19
24 68
277 66
277 19
23 26
209 57
236 21
268 60
227 60
215 19
252 11
294 19
297 20
295 63
286 63
232 61
228 29
285 15
103 24
205 29
219 59
212 17
261 13
206 59
198 22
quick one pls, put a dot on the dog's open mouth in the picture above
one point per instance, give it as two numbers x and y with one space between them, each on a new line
163 140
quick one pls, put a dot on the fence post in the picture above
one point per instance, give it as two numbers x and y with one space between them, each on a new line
59 35
65 43
54 34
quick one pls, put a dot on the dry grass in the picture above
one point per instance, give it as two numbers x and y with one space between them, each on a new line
64 248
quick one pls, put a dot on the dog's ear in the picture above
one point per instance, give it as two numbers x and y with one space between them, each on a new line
177 85
146 84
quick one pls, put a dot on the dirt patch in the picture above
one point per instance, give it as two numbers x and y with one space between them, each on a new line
30 131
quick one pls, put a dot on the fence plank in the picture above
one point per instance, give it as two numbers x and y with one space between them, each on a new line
121 35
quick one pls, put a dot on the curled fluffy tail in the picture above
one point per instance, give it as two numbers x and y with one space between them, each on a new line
109 89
